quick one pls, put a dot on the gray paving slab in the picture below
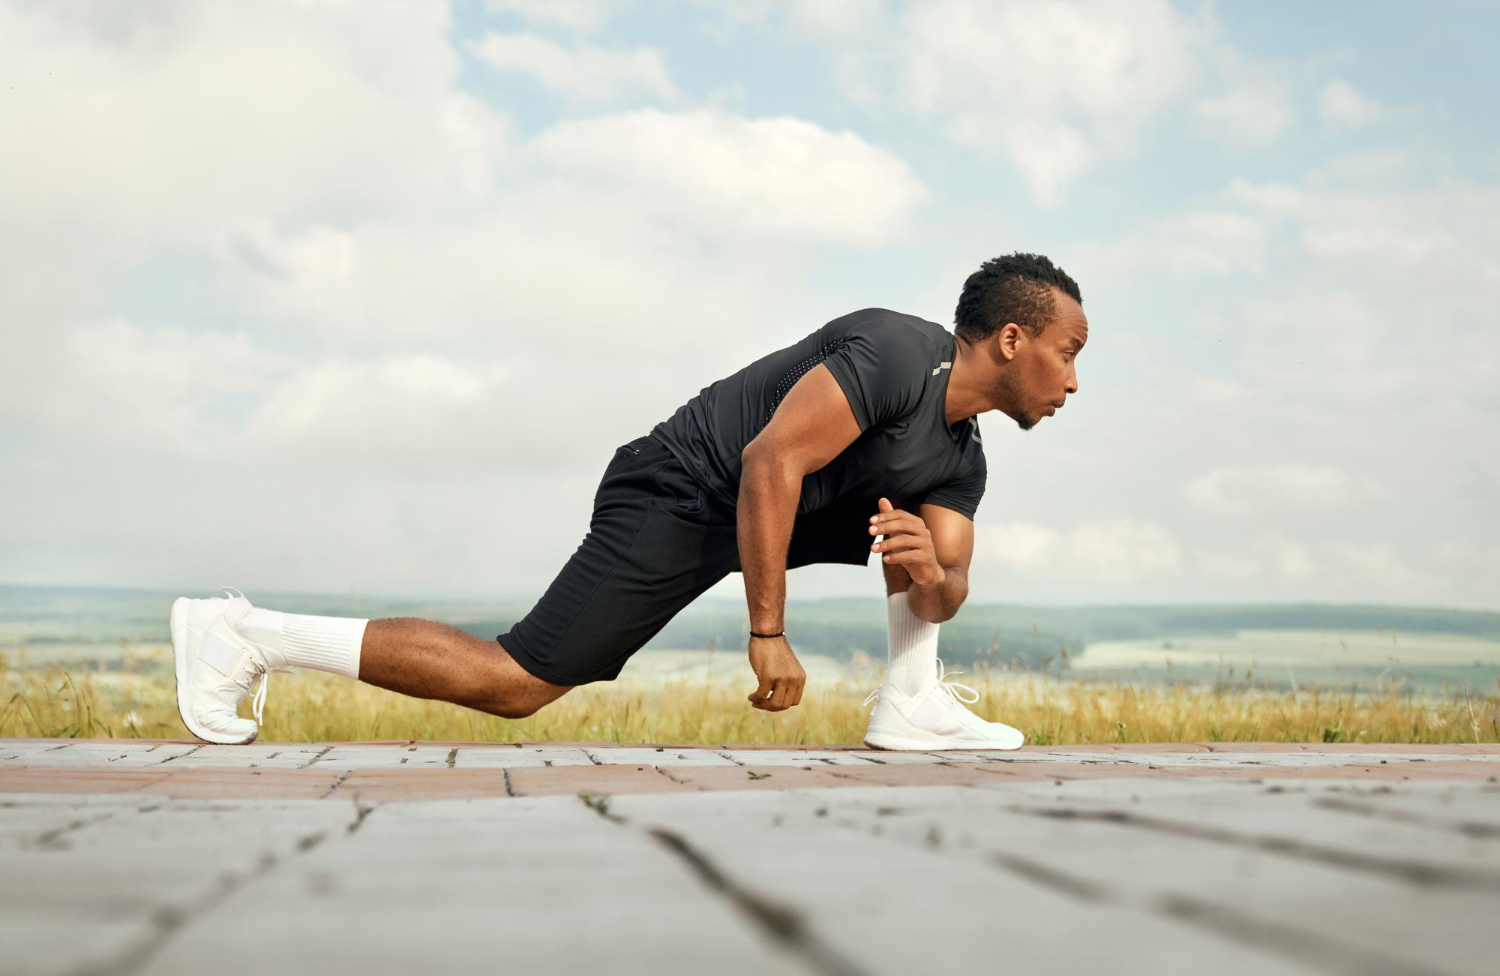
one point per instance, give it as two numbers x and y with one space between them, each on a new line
539 885
1338 912
893 908
116 882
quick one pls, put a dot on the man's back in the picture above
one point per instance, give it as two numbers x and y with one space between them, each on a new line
894 370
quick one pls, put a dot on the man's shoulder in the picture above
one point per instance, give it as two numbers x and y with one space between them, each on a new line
887 325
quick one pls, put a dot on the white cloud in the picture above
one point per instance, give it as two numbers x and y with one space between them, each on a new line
201 112
576 15
1196 242
1252 114
414 407
583 73
718 172
1275 488
112 381
1341 107
1109 551
1057 89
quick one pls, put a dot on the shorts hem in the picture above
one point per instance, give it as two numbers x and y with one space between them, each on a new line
513 646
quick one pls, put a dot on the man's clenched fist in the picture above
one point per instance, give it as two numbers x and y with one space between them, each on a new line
780 673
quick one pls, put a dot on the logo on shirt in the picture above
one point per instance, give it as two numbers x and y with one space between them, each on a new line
941 366
974 422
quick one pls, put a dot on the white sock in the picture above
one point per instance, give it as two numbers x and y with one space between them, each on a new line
913 647
325 643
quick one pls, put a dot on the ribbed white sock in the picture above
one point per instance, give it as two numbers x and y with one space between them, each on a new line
913 646
325 643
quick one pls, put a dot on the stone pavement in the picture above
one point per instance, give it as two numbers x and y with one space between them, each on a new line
131 856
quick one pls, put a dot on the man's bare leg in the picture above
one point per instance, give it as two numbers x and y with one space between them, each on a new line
427 659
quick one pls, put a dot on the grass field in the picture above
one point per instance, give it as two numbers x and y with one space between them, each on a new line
138 702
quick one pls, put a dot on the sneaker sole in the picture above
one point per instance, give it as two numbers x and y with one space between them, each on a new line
901 743
179 654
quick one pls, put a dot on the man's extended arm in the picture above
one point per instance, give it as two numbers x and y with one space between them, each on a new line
812 425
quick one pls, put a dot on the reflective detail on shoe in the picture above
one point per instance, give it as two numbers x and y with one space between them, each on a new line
218 654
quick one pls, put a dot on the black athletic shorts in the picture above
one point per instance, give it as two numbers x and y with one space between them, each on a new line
655 543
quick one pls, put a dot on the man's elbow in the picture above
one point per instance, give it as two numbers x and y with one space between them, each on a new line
944 606
763 463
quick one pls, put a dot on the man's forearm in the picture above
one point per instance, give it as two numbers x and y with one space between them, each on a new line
767 509
936 602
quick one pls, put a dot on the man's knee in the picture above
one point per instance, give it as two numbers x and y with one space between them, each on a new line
515 709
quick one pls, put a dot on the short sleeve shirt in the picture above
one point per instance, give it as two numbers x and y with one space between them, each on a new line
894 370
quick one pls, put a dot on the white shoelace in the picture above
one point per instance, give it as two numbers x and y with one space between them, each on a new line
950 688
258 703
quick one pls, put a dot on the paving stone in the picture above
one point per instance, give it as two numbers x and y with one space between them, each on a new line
521 757
540 885
120 753
431 784
367 757
888 758
83 779
255 755
664 756
732 777
882 907
1328 911
591 779
794 757
11 749
246 784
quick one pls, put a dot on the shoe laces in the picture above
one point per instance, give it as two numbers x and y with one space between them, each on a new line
256 670
952 689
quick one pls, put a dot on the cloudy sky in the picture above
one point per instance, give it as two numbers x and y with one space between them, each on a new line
359 296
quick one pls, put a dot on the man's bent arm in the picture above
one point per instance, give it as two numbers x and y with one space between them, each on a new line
937 564
938 602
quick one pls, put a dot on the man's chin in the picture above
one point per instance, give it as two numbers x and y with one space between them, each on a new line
1026 423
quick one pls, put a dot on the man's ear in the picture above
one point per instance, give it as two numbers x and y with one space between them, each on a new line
1009 340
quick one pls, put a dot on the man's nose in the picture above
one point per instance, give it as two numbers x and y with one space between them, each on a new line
1072 386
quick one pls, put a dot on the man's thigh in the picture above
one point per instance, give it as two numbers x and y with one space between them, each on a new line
653 547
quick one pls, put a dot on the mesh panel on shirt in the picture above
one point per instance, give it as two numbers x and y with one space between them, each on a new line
791 376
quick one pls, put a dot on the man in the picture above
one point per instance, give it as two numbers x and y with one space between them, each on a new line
860 438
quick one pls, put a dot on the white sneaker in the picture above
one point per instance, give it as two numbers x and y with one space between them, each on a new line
934 719
216 668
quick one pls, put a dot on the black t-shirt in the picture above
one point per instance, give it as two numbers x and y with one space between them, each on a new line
894 369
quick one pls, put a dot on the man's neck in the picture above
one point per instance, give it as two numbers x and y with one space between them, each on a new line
966 396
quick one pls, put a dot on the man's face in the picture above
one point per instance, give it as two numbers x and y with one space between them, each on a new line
1042 372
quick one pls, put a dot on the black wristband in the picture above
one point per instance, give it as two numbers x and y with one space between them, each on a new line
779 633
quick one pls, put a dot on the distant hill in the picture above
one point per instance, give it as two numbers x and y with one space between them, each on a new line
40 615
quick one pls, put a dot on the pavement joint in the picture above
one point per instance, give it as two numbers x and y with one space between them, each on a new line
779 922
1465 828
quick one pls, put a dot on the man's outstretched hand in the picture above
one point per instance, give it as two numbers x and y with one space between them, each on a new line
780 673
907 544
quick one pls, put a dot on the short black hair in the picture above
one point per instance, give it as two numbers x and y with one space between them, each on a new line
1014 288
